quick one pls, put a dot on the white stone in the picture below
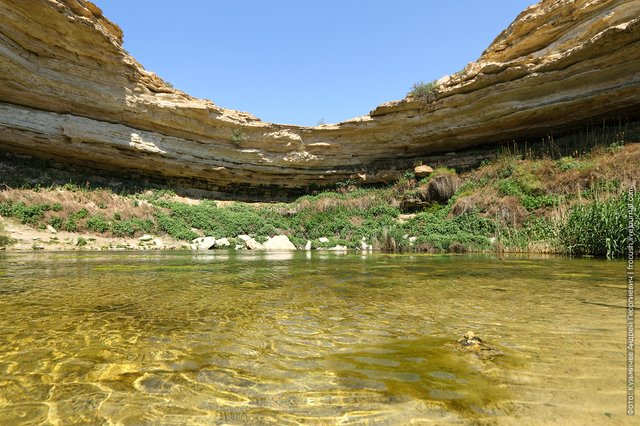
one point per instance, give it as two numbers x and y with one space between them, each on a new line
206 243
244 237
338 248
146 237
51 229
279 242
308 245
223 243
323 239
252 244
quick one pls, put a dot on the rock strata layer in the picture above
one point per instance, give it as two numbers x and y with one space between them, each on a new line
70 92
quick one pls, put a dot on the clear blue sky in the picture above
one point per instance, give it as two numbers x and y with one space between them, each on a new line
301 61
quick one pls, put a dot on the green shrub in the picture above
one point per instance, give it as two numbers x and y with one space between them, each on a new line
509 187
6 209
129 227
534 202
468 229
56 222
81 214
226 221
176 227
568 163
98 223
26 214
70 225
425 92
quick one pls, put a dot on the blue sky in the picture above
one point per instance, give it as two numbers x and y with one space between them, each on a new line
302 61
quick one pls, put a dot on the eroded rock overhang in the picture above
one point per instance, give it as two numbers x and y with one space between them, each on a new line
70 92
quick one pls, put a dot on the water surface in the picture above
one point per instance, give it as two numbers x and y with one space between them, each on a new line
256 338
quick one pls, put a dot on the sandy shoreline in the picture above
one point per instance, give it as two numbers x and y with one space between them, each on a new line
29 239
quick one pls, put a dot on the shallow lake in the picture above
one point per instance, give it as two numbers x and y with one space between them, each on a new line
320 338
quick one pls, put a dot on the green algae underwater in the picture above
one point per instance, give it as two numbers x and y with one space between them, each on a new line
320 338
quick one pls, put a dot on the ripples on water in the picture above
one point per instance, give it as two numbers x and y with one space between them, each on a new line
256 338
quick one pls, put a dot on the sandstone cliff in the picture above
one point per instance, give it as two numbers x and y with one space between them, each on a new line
69 91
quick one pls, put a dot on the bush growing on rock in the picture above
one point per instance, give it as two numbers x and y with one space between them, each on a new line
425 92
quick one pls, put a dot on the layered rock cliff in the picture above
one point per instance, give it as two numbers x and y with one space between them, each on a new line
69 91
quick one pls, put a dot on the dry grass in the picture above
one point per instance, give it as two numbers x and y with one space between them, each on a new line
442 187
323 204
95 202
506 210
620 164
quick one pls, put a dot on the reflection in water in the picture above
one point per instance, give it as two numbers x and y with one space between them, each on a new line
216 338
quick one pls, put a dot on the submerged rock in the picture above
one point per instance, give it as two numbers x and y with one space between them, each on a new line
473 344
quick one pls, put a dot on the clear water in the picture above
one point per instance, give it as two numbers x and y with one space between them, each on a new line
183 338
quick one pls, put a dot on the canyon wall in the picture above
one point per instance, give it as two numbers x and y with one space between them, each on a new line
70 92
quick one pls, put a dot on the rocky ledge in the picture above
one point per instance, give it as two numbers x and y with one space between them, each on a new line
71 93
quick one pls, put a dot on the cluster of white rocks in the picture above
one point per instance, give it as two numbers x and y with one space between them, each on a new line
276 243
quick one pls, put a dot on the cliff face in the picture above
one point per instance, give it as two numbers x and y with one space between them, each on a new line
69 91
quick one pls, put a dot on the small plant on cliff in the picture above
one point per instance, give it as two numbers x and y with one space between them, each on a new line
425 92
236 138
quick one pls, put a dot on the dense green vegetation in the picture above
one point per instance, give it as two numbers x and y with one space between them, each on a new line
600 227
573 204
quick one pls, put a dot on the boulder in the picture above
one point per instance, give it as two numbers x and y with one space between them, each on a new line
422 171
204 243
308 245
223 243
250 243
145 238
279 243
